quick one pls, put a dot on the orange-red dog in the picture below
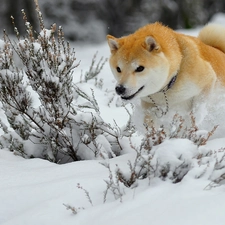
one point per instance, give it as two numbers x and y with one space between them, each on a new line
167 69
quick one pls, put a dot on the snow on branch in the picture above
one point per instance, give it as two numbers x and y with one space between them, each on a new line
170 155
58 128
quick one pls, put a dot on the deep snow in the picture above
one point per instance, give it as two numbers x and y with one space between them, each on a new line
34 191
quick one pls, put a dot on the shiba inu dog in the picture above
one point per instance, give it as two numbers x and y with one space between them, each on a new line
167 70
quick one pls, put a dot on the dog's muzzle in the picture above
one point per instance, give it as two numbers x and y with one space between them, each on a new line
121 90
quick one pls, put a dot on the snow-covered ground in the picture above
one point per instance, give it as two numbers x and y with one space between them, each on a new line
37 192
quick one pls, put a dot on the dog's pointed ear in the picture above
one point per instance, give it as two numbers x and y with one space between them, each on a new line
151 43
113 43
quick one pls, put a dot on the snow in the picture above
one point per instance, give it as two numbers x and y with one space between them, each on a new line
36 192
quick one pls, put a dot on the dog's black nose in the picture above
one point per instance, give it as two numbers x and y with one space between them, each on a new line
120 89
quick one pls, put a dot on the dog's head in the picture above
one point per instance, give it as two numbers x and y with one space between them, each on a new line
139 66
144 62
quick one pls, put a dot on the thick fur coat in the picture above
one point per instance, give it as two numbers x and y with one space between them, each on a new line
167 69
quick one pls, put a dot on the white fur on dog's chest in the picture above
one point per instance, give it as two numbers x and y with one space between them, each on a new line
176 97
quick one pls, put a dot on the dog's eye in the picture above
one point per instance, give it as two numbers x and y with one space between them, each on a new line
118 69
140 69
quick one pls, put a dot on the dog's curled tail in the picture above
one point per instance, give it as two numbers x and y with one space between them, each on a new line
213 35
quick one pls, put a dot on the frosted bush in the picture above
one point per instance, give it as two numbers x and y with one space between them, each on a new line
56 127
170 156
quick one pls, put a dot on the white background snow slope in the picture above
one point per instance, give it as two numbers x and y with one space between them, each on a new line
34 191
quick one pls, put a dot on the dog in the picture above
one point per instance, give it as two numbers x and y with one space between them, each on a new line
165 69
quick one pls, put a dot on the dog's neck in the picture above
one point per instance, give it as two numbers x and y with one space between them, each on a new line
164 90
170 84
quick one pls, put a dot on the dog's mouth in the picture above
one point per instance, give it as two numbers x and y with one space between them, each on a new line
132 96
